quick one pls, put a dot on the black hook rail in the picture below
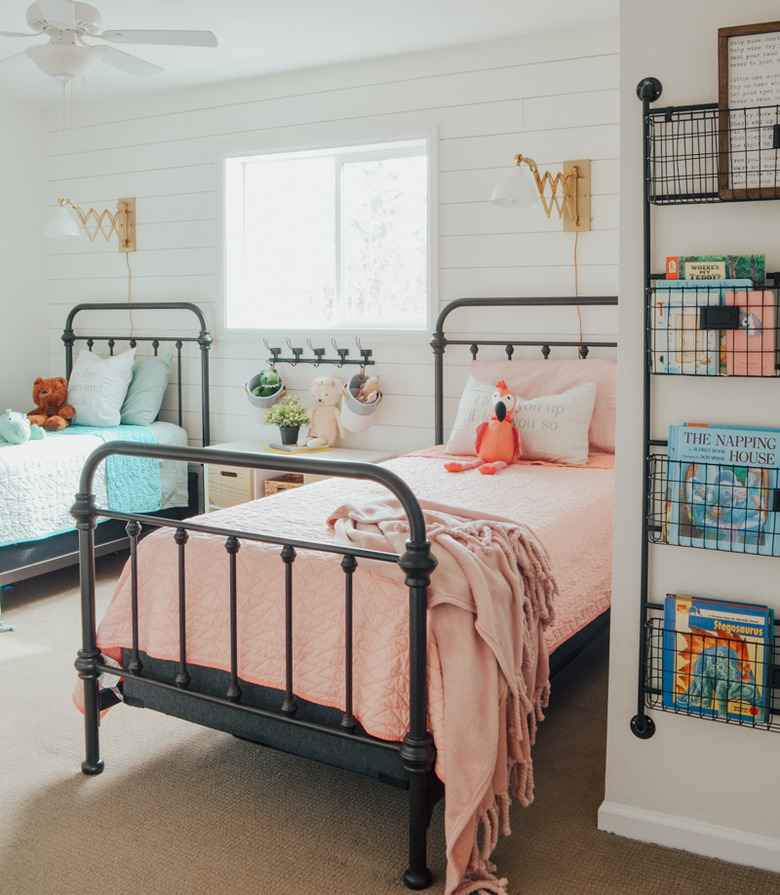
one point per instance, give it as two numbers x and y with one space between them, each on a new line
296 355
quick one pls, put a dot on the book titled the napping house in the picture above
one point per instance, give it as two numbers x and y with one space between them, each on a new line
722 488
716 658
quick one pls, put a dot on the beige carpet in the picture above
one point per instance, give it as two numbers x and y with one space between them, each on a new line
185 811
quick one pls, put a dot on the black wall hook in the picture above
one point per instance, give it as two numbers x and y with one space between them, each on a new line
317 352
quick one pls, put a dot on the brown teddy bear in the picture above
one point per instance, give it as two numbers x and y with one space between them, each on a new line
51 412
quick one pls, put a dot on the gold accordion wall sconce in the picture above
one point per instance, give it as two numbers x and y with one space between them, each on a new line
567 192
69 220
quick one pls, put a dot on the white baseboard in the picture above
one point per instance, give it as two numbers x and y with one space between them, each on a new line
735 846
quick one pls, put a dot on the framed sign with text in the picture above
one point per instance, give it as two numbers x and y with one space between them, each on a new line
749 119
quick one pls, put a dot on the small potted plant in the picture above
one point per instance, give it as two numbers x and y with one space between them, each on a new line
289 416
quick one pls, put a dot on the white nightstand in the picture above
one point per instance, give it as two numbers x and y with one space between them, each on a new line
226 486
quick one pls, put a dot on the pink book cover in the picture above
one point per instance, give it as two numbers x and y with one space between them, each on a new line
751 348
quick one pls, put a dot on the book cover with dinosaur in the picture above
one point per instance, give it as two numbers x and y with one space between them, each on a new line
716 658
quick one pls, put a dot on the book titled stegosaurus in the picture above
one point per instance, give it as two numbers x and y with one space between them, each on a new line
716 657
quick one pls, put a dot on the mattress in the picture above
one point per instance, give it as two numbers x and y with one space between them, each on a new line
39 481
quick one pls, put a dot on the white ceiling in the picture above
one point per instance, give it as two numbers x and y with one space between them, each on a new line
264 36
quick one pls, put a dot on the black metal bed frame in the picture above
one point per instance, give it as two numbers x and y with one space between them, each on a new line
278 718
25 560
439 340
203 340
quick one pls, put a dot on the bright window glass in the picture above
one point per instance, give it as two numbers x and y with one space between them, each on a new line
328 238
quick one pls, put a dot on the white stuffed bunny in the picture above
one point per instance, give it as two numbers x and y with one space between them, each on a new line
325 427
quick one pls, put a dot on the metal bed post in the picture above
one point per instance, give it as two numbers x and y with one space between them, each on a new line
88 656
418 752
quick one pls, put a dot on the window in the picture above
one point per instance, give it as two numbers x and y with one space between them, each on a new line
327 238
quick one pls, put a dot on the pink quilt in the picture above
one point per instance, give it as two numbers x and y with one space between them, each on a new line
507 659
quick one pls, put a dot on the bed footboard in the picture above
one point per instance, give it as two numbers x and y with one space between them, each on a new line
285 725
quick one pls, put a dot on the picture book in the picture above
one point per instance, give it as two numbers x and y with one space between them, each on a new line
295 448
751 348
721 482
716 657
717 267
682 339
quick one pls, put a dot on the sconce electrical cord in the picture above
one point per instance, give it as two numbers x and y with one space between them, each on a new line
130 293
577 288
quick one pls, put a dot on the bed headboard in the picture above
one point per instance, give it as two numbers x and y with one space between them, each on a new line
202 338
440 341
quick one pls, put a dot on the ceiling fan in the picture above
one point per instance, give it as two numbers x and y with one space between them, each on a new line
68 56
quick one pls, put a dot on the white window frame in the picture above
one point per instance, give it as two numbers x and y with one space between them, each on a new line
428 134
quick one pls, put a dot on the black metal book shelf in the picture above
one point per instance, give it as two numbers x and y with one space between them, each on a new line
700 328
703 154
714 690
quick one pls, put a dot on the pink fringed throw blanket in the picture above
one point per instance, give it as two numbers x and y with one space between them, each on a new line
490 599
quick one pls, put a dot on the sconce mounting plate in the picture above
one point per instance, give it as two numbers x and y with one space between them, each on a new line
580 188
125 224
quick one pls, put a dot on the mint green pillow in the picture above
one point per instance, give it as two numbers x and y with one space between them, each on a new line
146 390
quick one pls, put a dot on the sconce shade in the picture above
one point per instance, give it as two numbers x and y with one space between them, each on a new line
61 225
515 191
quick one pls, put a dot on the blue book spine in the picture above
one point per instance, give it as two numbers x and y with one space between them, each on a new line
668 651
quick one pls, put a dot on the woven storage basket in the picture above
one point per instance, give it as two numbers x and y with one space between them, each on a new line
283 482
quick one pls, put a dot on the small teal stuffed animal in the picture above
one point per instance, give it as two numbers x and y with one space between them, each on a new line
15 428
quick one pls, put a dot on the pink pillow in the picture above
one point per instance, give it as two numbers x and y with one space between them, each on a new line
535 378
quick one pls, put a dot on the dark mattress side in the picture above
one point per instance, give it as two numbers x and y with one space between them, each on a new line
366 755
359 755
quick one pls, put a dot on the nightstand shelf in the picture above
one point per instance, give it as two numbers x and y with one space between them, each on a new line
226 486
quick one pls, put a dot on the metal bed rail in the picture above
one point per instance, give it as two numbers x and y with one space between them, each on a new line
416 751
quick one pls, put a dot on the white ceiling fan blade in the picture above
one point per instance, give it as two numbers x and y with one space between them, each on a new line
132 65
166 38
18 34
59 12
11 61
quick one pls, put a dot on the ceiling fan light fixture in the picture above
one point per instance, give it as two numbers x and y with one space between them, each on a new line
64 62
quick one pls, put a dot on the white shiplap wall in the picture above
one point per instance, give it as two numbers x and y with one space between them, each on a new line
23 286
552 98
697 786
